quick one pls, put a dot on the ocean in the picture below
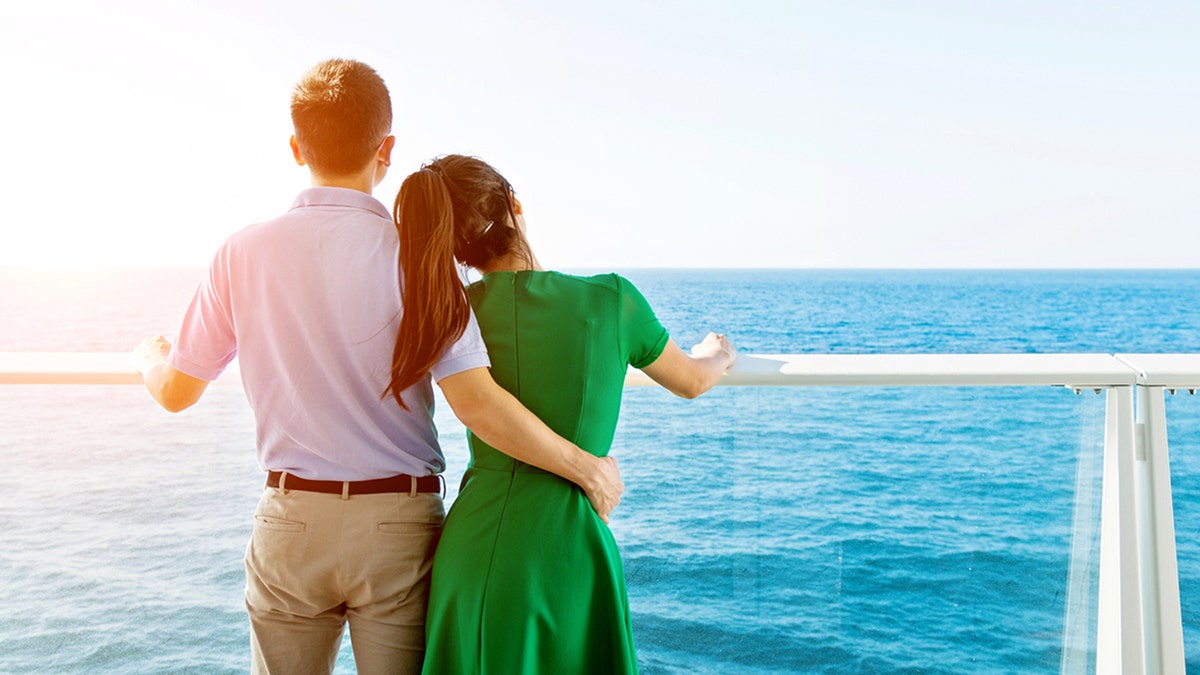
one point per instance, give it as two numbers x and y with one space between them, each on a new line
763 529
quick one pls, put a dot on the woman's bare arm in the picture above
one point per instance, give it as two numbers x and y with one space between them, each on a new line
689 375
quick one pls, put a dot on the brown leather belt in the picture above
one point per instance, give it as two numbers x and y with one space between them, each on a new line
400 483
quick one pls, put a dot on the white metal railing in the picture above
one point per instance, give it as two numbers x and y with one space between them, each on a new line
1139 623
1080 371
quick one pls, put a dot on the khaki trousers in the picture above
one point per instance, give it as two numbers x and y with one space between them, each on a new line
316 561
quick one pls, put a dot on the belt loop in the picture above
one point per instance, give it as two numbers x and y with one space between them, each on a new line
345 490
442 484
282 482
412 486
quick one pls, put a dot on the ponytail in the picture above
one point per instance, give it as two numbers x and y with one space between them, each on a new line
434 304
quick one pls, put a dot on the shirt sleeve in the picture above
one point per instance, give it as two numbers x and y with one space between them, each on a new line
467 353
643 337
206 342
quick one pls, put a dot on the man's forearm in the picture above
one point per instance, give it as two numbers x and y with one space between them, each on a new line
499 419
515 431
173 390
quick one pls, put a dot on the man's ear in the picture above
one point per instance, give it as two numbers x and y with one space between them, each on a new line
385 150
296 150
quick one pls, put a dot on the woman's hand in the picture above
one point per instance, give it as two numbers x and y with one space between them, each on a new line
715 345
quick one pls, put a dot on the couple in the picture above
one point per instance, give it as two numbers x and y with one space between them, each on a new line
341 316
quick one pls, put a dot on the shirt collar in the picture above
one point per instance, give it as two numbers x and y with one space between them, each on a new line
343 197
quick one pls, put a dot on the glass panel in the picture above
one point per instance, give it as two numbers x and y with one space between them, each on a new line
1183 436
861 530
763 529
124 528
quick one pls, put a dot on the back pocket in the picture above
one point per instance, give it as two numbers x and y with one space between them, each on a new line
407 527
276 524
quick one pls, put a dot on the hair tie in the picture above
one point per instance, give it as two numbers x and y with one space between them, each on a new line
479 237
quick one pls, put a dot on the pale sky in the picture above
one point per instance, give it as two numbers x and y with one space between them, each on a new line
637 134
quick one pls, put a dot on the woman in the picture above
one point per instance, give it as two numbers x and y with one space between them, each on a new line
527 578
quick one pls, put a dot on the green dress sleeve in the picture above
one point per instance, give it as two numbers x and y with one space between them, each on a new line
643 338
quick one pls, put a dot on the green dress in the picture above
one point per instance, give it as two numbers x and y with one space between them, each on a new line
527 578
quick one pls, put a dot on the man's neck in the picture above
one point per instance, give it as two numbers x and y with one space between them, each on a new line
361 183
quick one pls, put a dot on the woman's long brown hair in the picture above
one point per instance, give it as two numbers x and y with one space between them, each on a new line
457 207
435 310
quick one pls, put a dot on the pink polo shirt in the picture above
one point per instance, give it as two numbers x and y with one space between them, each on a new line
310 303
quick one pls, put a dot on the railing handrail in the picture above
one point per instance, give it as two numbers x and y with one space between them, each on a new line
1078 370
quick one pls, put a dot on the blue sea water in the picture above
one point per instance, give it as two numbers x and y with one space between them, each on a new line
764 529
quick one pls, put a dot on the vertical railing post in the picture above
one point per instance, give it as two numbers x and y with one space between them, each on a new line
1140 626
1119 626
1159 564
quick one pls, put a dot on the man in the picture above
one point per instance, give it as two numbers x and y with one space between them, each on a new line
310 303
